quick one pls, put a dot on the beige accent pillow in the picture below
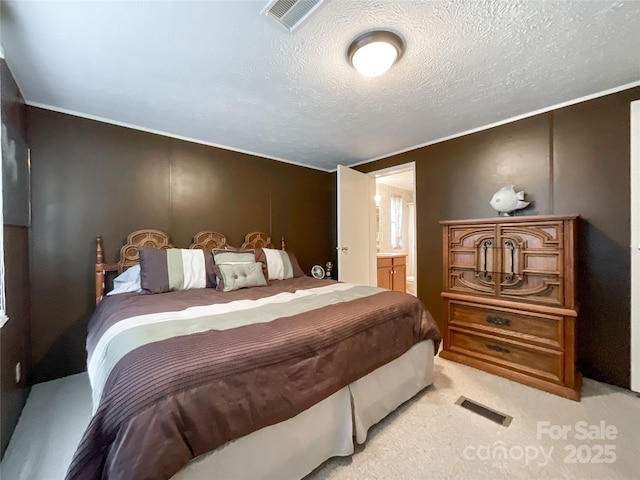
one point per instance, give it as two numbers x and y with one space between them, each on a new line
233 276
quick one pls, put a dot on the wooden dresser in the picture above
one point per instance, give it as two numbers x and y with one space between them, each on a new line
510 303
392 271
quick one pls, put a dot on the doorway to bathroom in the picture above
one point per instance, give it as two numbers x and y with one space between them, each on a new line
396 228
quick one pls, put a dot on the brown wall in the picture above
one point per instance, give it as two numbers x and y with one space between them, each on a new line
14 335
570 160
92 178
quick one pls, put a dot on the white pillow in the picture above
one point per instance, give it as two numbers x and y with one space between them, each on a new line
127 282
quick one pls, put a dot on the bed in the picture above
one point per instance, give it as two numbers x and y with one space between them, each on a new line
261 380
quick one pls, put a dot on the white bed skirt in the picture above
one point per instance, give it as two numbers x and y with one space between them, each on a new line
293 448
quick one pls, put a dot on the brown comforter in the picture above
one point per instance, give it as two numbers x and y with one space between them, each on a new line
166 402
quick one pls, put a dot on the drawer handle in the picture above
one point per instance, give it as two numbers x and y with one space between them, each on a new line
497 348
499 321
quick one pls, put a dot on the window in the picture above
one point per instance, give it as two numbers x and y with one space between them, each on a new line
396 221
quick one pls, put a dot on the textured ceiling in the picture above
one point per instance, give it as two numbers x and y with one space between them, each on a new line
219 73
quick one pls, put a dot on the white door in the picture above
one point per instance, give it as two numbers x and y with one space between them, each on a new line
356 227
635 246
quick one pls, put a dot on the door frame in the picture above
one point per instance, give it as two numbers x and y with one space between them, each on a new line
635 245
397 169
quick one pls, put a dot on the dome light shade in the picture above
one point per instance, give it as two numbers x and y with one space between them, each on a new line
373 53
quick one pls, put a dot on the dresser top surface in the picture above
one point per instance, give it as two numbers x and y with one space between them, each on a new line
520 219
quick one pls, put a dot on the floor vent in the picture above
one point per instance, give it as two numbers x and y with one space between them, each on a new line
486 412
291 13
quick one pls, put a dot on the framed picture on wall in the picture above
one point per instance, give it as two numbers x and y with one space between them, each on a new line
16 178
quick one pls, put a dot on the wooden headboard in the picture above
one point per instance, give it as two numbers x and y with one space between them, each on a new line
129 256
148 237
261 240
208 240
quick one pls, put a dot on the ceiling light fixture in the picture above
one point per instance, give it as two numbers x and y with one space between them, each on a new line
373 53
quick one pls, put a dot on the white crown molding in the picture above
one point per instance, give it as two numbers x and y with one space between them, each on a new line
504 122
167 134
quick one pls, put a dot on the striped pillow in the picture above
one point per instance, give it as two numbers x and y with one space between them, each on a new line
164 270
280 264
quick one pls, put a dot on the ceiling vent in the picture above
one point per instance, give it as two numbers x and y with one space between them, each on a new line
291 13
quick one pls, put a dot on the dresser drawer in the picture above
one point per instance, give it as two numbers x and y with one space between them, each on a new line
536 327
543 363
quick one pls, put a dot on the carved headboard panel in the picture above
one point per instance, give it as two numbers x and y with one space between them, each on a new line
148 237
208 240
257 240
129 255
260 240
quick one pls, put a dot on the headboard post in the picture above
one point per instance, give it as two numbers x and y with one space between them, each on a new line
99 269
282 245
99 250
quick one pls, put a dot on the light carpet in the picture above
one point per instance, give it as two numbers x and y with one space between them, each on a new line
429 437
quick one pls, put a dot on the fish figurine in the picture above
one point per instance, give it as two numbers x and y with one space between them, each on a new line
507 200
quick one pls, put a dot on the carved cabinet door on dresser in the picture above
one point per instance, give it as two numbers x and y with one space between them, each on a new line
509 293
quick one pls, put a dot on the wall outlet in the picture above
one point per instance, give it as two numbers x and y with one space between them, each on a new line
18 372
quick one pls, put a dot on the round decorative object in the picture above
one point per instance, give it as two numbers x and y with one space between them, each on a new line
317 272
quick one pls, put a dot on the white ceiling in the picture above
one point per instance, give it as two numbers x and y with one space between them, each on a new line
219 73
